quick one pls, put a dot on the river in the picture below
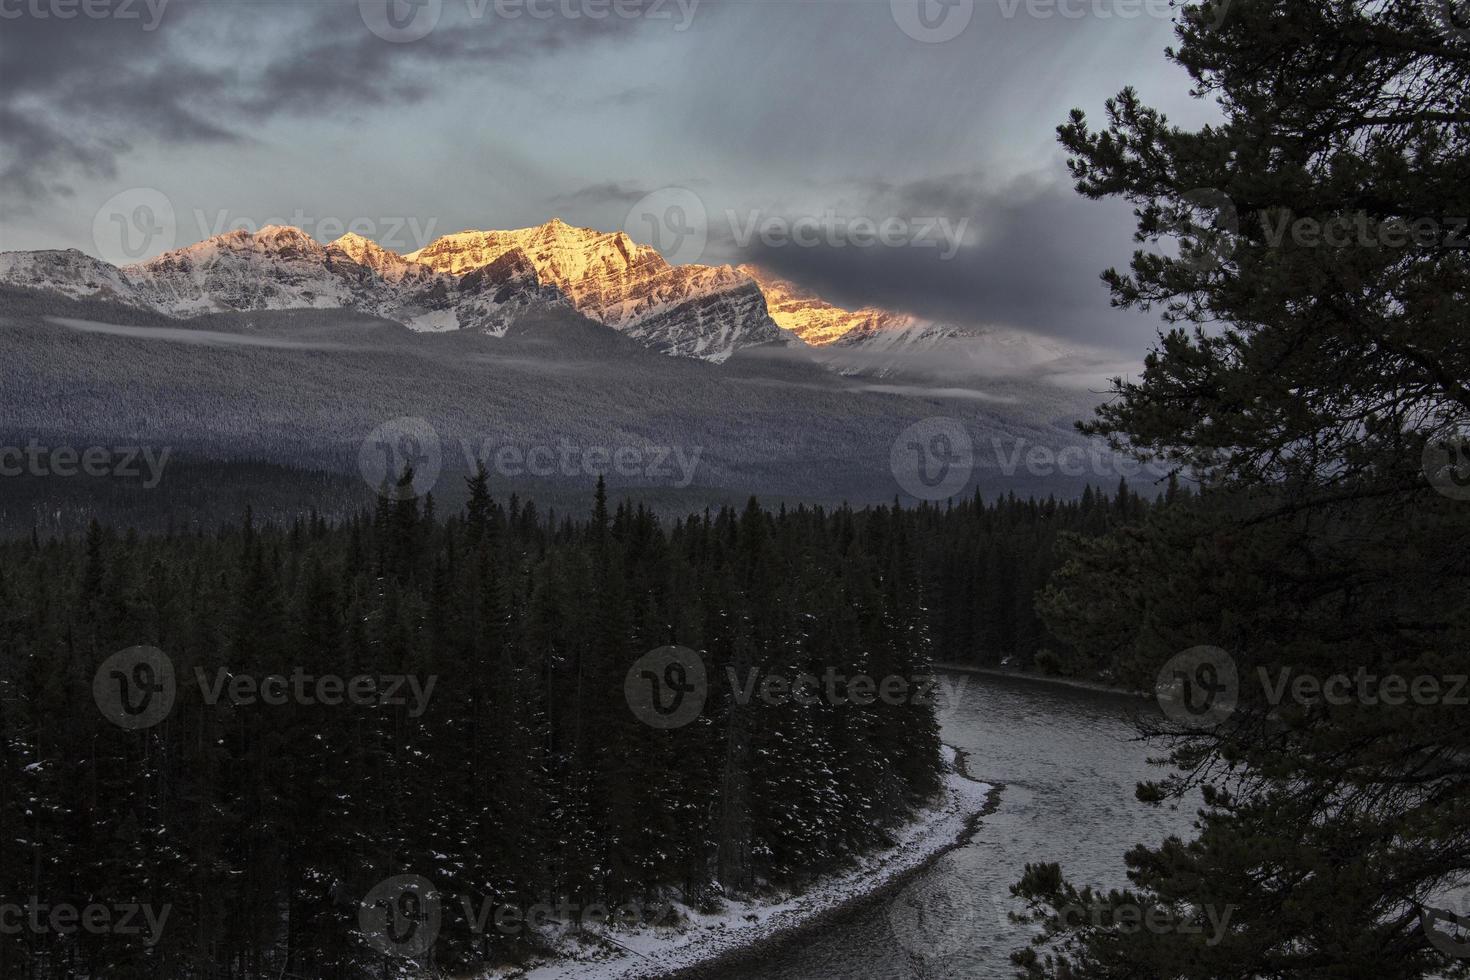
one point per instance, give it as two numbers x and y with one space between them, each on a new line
1069 764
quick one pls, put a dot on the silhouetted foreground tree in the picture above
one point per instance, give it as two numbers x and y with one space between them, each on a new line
1321 392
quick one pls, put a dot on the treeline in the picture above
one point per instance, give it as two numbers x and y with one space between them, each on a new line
984 564
174 493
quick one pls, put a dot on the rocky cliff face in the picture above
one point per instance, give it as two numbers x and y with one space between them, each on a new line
488 280
475 280
820 323
691 310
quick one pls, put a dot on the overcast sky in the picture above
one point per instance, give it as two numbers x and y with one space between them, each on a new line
876 151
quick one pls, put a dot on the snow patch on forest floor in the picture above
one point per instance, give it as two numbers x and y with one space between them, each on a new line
701 938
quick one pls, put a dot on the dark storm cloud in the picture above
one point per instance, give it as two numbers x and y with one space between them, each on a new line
249 109
1032 259
608 192
75 93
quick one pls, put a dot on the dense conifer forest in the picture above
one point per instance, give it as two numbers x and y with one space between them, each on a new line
511 769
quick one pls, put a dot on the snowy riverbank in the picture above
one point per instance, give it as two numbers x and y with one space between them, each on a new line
701 941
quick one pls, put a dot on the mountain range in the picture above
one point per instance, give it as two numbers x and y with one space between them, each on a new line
272 348
485 281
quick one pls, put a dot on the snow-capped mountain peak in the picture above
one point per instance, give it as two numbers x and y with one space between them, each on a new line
691 310
386 263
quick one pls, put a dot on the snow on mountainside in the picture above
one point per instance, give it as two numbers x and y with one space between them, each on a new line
282 268
691 310
478 280
820 323
807 315
881 343
488 280
274 269
70 272
390 266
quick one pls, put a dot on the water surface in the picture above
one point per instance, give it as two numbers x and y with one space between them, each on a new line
1069 763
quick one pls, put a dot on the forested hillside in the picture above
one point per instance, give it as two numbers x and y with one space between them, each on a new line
515 772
